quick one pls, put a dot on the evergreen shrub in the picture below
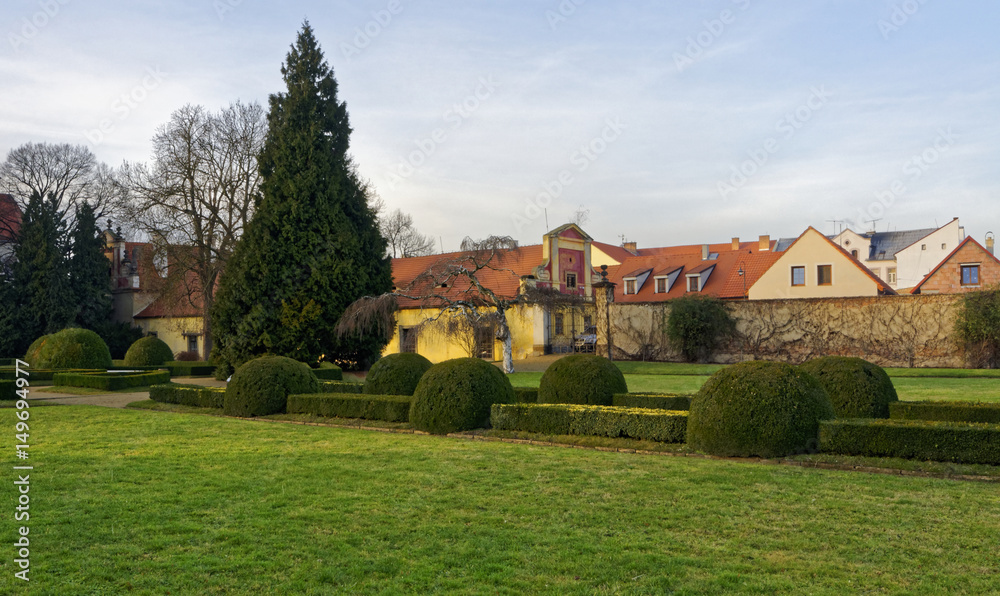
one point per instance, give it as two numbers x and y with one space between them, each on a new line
69 348
390 408
945 411
584 379
261 386
187 356
328 372
188 395
526 395
659 401
857 388
645 424
8 390
110 381
456 395
148 351
766 409
913 439
341 386
396 374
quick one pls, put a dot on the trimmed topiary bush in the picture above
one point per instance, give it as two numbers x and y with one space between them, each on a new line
584 379
148 351
186 356
328 372
261 386
857 388
396 374
766 409
457 395
69 348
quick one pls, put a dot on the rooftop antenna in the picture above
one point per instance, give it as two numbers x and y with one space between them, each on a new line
836 225
441 240
873 223
546 219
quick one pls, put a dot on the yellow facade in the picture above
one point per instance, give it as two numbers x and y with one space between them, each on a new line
797 273
176 332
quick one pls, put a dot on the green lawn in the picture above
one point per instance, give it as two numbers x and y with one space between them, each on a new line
140 502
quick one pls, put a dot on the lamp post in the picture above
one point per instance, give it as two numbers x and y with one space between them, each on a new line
742 273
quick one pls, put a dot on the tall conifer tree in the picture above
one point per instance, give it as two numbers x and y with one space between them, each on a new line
89 272
313 245
40 271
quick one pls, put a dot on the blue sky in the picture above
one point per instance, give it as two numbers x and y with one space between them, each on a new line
671 122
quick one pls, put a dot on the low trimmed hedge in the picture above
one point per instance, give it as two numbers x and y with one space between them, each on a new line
526 395
912 439
602 421
328 373
945 411
188 395
659 401
46 374
390 408
8 390
341 387
111 381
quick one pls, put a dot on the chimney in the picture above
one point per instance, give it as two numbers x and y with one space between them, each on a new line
989 242
704 252
630 246
765 243
736 243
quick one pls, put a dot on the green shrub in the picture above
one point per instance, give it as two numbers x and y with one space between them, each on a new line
456 395
767 409
602 421
857 388
46 374
390 408
945 411
189 369
188 395
396 374
697 324
8 390
148 351
913 439
110 381
977 327
69 348
526 395
659 401
261 386
583 379
328 372
187 356
341 387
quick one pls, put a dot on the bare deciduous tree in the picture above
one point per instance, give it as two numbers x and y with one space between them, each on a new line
403 238
197 196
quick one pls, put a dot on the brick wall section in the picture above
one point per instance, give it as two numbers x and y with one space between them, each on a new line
948 278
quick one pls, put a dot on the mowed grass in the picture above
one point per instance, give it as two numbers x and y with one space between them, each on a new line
145 502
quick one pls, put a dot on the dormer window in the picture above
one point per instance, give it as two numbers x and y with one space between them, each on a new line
698 277
694 283
661 285
630 286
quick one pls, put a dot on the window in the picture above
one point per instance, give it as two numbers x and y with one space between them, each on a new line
408 339
944 246
588 322
923 247
798 276
193 343
661 285
630 286
891 274
694 283
970 275
824 275
571 280
557 324
854 253
484 342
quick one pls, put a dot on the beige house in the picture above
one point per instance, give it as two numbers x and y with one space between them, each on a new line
815 267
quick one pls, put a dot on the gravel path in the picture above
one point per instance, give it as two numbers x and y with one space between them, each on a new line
113 400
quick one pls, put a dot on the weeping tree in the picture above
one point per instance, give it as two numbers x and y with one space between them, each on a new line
312 246
459 292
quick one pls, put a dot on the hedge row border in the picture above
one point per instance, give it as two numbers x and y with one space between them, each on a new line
945 411
666 426
969 443
188 395
388 408
111 381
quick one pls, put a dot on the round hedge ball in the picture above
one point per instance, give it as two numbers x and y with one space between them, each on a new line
581 379
148 351
765 409
457 395
396 374
69 348
261 386
857 388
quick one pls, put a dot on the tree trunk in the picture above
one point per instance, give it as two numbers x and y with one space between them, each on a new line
503 334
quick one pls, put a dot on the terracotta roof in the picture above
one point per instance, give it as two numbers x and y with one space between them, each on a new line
10 217
504 279
916 289
617 253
